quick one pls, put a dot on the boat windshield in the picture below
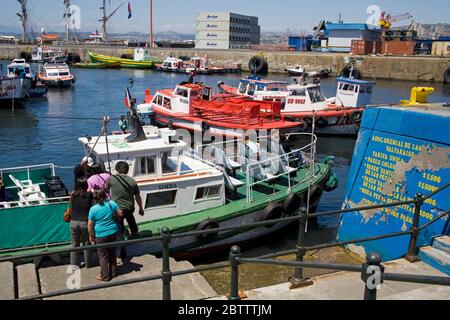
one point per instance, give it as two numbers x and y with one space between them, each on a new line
315 94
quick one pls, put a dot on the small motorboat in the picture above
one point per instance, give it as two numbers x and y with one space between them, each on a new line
98 65
48 54
56 75
19 68
141 59
299 71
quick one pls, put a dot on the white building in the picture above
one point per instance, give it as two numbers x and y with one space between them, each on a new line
226 30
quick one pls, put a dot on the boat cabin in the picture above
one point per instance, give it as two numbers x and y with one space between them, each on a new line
255 86
180 99
39 54
141 54
171 183
353 93
55 70
172 63
19 68
308 97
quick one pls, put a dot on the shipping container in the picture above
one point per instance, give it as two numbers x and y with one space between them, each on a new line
398 47
441 48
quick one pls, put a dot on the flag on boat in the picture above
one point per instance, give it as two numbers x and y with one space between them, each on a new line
128 99
129 10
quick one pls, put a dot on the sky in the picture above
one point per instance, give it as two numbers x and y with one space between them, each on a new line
179 15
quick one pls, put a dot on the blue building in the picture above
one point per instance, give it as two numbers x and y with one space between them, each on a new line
341 35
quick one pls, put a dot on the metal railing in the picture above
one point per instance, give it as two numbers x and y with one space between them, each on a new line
371 267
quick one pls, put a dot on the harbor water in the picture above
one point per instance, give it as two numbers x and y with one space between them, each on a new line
46 130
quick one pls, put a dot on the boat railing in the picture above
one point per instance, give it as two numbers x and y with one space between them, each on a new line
372 268
33 203
28 169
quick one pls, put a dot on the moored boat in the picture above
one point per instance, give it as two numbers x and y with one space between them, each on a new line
305 102
141 59
199 65
195 108
19 68
44 54
56 75
181 188
98 65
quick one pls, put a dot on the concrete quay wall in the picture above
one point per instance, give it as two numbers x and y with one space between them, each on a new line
412 68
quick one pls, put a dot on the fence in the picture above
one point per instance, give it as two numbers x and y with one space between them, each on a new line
372 265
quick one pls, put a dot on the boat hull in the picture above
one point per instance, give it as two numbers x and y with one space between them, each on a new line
38 91
215 70
124 63
98 65
15 88
57 83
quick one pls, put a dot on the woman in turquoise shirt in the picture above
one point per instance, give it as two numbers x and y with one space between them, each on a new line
103 228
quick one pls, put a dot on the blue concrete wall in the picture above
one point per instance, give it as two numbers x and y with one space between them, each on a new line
400 152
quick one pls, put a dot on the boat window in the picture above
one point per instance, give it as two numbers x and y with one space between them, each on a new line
261 87
251 89
167 164
148 165
53 74
160 199
315 95
208 192
167 103
369 89
298 92
160 99
362 89
242 87
356 89
63 73
341 85
182 92
206 94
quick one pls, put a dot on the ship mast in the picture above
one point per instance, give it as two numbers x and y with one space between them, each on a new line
151 23
23 15
106 18
67 15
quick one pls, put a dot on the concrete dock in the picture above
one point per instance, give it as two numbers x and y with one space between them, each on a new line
349 286
412 68
25 281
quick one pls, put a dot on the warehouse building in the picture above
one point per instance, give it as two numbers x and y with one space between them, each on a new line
341 35
226 30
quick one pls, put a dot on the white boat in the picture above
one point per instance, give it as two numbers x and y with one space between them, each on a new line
56 75
16 83
19 68
305 102
48 54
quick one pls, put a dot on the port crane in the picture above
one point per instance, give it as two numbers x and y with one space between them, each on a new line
386 20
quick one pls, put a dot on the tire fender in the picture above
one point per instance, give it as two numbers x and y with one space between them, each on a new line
272 212
292 203
206 225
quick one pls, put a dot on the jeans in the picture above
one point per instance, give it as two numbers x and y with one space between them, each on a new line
107 258
80 237
128 214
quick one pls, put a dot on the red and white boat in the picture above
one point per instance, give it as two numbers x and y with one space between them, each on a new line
306 103
195 108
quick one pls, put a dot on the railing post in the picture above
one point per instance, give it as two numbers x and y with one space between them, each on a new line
372 274
165 272
298 280
234 254
412 256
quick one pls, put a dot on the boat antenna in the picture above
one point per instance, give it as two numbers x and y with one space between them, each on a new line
23 15
106 17
67 15
105 132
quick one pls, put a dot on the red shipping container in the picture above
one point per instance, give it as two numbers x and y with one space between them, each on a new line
398 47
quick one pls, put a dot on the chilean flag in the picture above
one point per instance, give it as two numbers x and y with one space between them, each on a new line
129 10
128 99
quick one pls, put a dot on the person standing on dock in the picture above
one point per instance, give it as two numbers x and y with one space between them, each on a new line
124 190
82 201
103 228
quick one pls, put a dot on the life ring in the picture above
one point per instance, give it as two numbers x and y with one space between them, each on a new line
207 225
356 116
205 126
272 212
321 122
292 203
447 76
